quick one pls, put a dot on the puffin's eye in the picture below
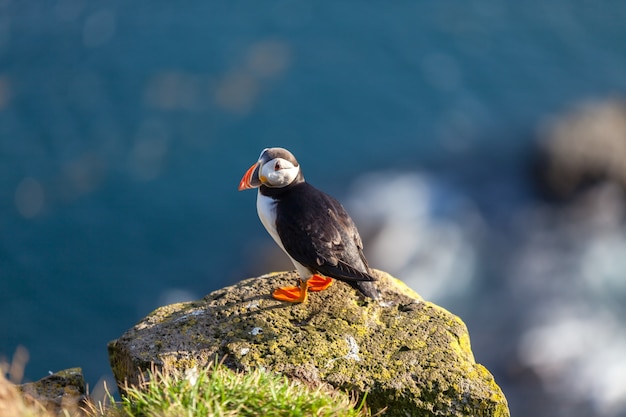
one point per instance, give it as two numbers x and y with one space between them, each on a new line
277 166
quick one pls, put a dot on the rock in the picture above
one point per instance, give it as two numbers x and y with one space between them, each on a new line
62 393
409 355
583 147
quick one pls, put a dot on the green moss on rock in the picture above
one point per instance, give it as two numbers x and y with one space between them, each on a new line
410 356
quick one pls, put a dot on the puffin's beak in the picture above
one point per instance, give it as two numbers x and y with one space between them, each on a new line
250 178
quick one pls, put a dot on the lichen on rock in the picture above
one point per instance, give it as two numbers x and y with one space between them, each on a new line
409 355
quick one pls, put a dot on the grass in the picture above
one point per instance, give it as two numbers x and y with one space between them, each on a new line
211 392
221 392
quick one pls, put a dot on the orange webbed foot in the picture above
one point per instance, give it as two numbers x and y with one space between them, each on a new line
319 283
292 294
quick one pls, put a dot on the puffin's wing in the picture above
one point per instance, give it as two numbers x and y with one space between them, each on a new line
317 232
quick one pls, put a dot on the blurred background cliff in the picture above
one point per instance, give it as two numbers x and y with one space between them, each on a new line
480 147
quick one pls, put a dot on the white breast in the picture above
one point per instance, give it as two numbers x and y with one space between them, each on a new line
266 207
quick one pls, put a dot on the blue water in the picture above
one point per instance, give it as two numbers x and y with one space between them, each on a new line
126 126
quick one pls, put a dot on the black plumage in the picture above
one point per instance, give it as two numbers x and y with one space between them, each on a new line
316 231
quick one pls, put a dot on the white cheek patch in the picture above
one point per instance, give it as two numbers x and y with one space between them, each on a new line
281 177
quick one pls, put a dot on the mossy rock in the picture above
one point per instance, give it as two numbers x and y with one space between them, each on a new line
410 356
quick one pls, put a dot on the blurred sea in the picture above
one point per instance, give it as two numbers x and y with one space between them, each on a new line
126 126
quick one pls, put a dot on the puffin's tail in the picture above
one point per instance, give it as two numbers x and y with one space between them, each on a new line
367 288
360 279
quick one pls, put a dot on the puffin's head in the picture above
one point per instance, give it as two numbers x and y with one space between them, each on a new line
276 168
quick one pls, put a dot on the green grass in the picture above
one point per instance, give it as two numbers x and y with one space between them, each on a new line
222 392
216 391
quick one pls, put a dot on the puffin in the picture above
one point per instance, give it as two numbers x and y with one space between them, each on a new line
310 226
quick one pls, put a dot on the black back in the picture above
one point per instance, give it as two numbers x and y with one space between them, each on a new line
316 231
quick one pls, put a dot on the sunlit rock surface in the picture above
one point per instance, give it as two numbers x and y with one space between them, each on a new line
409 355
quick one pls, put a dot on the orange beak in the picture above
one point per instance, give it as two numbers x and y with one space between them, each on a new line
250 178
